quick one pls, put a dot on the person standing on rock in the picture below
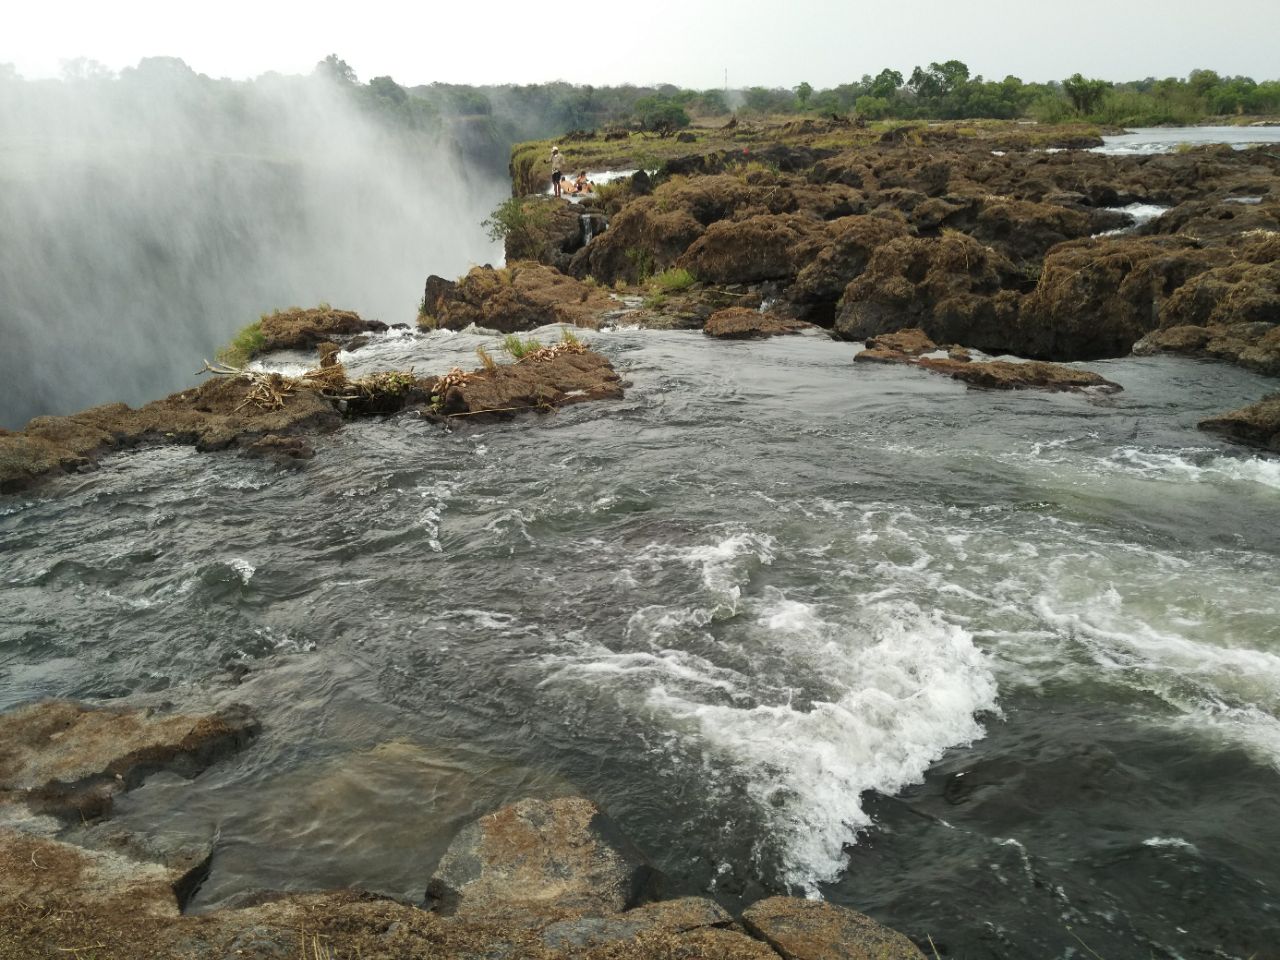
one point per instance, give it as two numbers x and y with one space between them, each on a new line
555 170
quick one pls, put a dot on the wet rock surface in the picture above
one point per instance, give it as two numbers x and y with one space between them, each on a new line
533 854
536 879
914 348
1257 425
66 760
812 930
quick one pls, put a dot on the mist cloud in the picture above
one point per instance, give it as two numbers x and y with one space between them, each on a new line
146 217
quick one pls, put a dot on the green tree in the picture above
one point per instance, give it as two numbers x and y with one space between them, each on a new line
886 84
803 93
1085 95
335 68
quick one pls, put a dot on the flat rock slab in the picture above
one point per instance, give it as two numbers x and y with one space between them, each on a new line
913 346
651 920
69 760
742 323
541 856
813 930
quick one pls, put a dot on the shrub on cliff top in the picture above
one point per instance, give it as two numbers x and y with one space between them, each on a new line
519 224
244 346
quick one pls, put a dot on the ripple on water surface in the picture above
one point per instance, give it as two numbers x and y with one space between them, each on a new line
779 613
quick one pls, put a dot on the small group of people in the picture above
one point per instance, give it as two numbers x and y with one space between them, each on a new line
562 185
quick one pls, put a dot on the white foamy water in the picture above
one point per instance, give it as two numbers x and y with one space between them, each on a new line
1170 139
906 689
1141 212
809 707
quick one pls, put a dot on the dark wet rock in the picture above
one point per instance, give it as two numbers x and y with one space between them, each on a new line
848 245
556 376
1218 219
813 930
213 416
741 323
759 248
284 451
297 329
953 288
914 348
68 760
520 296
1256 425
1096 298
538 854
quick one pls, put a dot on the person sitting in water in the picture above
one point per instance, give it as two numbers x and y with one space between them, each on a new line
582 184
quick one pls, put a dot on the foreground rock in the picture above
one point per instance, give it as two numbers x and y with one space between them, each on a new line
537 854
70 761
913 347
742 323
556 376
812 930
521 296
1257 425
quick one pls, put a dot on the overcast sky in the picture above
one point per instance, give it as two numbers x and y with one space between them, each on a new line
689 43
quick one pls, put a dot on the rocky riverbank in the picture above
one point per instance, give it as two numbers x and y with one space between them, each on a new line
538 878
1005 238
271 415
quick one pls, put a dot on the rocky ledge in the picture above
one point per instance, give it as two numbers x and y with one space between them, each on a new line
537 879
1257 425
912 347
973 234
271 415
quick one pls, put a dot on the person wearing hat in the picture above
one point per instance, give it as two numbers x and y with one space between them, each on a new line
555 170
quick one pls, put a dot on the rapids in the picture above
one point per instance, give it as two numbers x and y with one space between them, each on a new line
1003 669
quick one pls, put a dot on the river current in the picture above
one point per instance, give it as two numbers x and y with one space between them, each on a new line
1002 669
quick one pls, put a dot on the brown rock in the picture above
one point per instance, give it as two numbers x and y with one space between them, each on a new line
70 761
517 297
1257 425
741 323
952 288
813 930
297 329
765 247
537 855
541 381
1032 374
911 343
848 246
1097 298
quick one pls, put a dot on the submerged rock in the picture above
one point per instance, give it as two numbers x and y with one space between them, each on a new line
70 761
813 930
1257 425
539 856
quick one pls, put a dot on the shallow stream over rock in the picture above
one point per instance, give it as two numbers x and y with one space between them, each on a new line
998 668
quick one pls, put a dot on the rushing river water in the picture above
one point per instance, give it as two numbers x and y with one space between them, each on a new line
998 668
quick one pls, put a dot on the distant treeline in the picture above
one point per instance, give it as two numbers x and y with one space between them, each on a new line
485 120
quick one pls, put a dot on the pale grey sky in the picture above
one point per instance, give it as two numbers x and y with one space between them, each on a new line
759 42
